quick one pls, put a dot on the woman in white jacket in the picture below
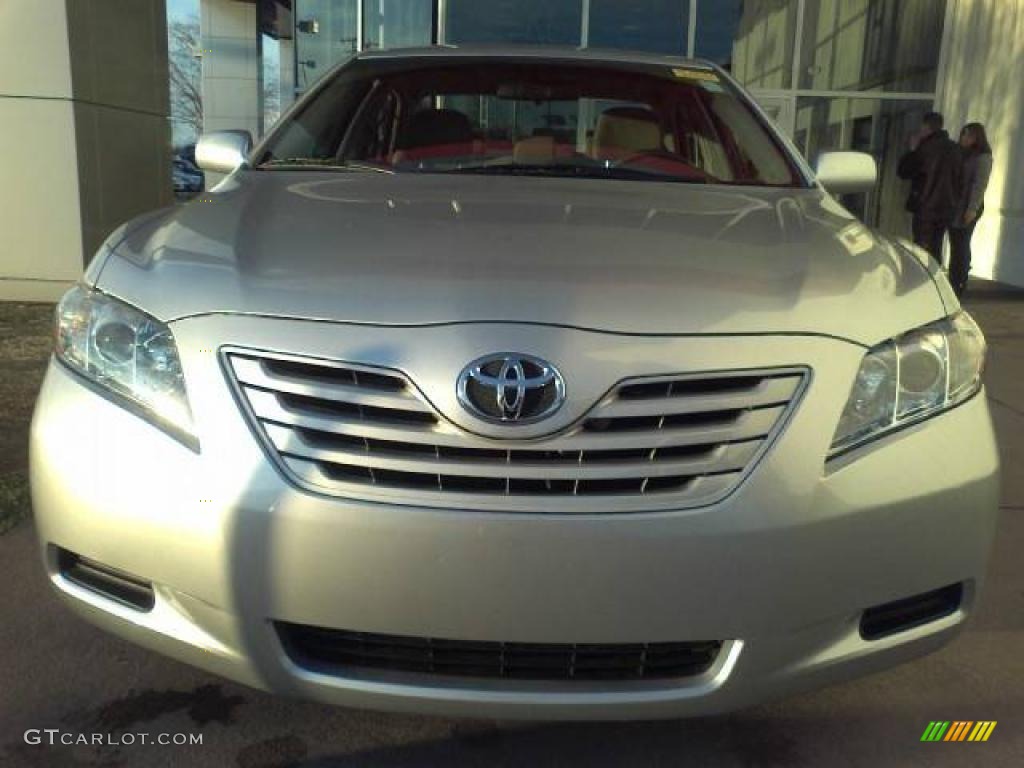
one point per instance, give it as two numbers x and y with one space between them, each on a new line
977 168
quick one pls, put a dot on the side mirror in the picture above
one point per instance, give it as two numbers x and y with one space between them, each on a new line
223 151
843 172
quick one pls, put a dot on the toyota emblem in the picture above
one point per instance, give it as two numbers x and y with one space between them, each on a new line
509 388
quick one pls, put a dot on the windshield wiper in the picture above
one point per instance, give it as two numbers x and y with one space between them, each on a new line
324 163
571 171
504 170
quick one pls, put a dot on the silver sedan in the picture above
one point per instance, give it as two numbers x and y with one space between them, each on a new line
518 383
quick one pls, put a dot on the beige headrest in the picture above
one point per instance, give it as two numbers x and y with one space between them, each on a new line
626 130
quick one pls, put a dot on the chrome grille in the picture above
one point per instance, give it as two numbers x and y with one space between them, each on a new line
655 443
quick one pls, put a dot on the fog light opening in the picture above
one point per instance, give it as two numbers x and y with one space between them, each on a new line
108 582
901 615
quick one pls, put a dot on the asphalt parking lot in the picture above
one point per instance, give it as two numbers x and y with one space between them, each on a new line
56 672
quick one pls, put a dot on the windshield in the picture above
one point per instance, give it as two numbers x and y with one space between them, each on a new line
501 116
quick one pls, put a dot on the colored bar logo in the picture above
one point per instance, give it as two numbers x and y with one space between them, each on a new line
958 730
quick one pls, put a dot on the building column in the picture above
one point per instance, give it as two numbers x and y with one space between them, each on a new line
84 106
230 66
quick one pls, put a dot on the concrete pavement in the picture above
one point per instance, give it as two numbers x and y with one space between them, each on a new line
58 672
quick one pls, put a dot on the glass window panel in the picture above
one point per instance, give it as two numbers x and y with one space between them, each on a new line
514 21
397 23
185 68
325 33
277 60
762 32
270 64
659 26
881 127
888 45
718 22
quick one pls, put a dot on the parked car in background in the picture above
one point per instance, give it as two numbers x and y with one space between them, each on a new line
186 176
518 383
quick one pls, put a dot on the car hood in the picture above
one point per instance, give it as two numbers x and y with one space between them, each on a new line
616 256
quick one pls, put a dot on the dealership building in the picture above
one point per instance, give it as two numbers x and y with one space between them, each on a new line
101 100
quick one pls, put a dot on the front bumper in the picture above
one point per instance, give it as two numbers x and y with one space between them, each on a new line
781 570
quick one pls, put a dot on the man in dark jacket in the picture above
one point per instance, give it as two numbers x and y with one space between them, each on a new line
933 166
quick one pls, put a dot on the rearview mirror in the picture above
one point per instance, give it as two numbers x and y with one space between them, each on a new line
844 172
223 151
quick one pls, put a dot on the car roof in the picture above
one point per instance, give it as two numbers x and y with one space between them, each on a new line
551 53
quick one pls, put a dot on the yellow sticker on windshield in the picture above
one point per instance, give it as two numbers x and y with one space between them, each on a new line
704 75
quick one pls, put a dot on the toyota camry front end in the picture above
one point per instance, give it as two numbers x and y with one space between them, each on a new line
518 384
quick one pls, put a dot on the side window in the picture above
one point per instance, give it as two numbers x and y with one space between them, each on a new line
374 134
699 140
493 117
471 105
553 119
712 158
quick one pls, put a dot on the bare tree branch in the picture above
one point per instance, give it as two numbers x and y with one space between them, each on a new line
184 59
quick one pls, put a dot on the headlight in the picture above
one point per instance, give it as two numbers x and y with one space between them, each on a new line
126 352
911 378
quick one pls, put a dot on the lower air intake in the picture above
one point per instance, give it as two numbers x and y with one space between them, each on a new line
340 650
111 583
901 615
